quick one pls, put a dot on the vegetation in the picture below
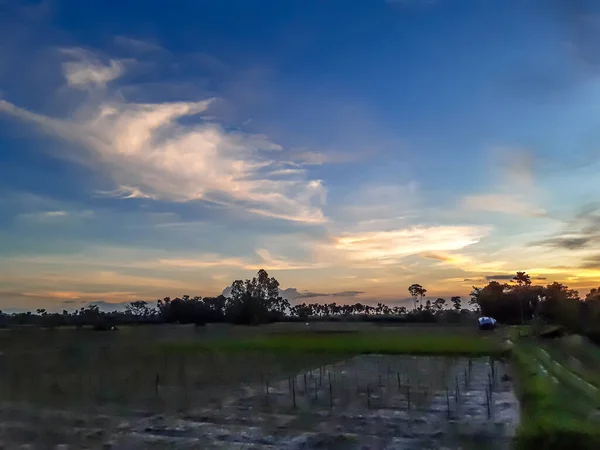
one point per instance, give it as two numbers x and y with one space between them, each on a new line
416 343
558 405
554 415
258 300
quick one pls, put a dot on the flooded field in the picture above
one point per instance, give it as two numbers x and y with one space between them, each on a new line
365 402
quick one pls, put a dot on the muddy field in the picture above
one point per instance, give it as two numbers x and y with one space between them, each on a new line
365 402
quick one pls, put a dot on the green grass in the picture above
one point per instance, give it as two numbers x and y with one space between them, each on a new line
353 343
553 416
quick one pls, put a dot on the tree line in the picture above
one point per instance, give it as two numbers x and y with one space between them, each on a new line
258 300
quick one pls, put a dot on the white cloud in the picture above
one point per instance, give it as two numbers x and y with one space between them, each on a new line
465 262
124 192
150 153
381 248
87 71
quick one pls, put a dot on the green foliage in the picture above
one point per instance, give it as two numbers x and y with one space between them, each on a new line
355 343
552 416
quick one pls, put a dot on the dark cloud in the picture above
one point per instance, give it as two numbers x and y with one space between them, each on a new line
347 293
292 294
592 262
107 306
568 243
510 277
68 302
499 277
581 232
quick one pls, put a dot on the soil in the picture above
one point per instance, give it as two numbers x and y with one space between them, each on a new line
366 402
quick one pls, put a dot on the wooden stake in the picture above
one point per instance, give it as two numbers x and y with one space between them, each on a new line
330 392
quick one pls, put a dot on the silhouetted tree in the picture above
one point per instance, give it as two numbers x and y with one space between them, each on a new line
456 303
417 292
439 304
138 308
256 301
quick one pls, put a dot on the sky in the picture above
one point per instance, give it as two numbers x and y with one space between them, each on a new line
349 148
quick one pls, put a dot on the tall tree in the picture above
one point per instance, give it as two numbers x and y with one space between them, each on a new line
439 304
521 279
257 300
456 303
417 292
138 308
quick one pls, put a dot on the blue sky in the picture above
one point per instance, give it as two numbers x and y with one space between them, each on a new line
349 148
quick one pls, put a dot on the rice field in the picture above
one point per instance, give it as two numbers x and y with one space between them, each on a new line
342 386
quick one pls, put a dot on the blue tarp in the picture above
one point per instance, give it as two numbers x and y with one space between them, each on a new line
487 321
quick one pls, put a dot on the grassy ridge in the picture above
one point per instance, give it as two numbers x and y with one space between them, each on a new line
552 416
354 343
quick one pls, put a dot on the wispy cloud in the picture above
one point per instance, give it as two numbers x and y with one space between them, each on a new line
149 151
55 216
86 70
515 192
464 262
205 262
389 247
137 45
580 233
502 203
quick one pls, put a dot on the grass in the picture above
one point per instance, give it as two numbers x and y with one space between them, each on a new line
79 366
553 415
352 343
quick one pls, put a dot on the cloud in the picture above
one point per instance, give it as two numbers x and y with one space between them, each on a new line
277 263
464 262
263 259
591 262
565 242
47 217
137 45
515 192
502 203
499 277
294 294
504 277
377 206
168 151
206 262
124 192
389 247
580 233
88 71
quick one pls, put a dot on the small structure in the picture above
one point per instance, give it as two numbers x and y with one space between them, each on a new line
487 323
